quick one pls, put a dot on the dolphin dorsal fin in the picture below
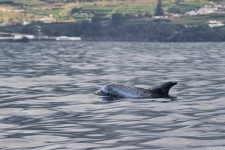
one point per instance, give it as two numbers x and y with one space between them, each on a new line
164 88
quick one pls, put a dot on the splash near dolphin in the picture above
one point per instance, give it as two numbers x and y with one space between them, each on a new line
127 91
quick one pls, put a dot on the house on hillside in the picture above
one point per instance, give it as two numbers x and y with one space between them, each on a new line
210 9
207 9
5 24
190 13
221 8
25 23
215 23
47 19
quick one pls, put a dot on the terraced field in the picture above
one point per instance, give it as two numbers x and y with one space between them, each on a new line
32 10
62 10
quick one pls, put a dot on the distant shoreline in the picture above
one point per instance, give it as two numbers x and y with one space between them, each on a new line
133 41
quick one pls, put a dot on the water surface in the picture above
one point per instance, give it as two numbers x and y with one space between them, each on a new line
47 100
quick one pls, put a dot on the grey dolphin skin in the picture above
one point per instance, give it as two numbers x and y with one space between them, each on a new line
127 91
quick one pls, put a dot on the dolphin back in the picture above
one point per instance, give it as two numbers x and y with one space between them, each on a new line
126 91
122 91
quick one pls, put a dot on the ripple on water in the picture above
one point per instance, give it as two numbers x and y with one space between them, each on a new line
47 99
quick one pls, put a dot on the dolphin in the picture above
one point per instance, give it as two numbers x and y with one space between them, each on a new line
127 91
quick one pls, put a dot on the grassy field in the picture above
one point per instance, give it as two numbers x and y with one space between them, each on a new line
103 7
8 13
35 9
26 2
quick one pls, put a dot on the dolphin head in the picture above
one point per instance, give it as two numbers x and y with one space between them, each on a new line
163 89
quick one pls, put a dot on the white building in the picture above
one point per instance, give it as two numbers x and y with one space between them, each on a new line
190 13
207 9
46 19
215 23
25 23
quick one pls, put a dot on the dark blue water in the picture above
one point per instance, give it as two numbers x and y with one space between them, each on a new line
47 100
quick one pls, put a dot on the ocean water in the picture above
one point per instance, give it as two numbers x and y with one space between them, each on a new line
47 100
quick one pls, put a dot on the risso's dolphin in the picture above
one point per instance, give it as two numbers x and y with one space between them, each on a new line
127 91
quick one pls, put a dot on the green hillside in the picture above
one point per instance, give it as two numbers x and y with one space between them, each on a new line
31 10
123 20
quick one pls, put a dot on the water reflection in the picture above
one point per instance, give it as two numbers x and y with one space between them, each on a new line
47 99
